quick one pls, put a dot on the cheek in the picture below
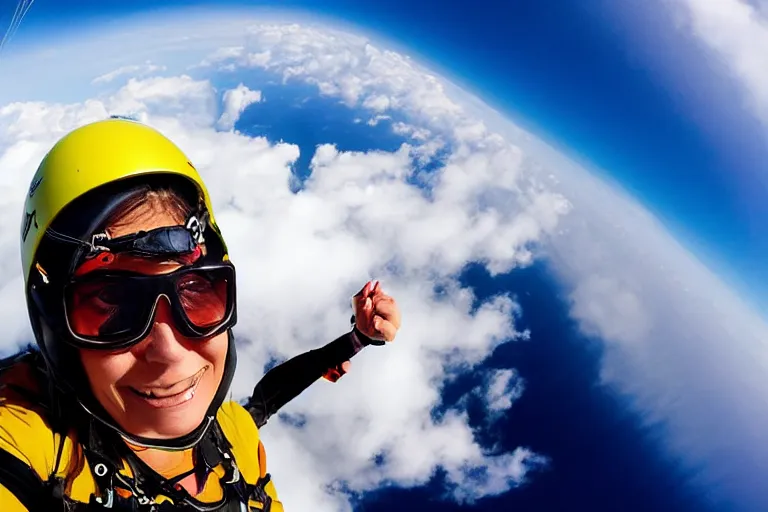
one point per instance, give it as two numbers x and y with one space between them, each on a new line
214 351
105 369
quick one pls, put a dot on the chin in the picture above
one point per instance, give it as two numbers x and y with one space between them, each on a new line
168 423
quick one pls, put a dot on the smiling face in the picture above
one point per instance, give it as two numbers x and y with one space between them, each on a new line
162 386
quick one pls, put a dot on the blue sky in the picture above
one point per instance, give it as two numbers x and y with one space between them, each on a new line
616 87
629 98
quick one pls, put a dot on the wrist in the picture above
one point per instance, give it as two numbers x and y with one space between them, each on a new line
361 337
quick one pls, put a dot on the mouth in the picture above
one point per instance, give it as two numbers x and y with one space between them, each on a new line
162 396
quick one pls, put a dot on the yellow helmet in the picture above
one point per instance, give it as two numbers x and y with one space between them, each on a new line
86 174
89 157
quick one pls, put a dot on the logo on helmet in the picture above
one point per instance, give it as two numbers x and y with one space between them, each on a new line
28 220
35 184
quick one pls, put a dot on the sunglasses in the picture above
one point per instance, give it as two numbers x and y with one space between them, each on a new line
116 309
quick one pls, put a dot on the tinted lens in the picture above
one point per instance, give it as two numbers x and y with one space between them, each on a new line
115 308
107 307
204 296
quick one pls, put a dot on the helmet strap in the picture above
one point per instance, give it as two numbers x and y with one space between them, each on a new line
94 409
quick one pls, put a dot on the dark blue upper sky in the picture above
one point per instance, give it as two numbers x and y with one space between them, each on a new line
616 87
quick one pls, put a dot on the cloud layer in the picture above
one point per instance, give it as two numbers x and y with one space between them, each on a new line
302 256
684 351
682 348
737 32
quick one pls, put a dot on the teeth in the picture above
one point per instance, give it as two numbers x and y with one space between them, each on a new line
152 394
164 393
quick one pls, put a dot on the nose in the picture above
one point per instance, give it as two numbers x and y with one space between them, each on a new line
162 343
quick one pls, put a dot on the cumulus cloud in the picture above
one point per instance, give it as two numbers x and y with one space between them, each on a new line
737 31
681 347
357 217
685 351
235 102
377 119
504 387
360 73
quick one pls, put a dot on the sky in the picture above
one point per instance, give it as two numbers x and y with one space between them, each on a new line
618 86
615 330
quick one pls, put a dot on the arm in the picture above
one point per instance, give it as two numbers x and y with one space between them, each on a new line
375 322
286 381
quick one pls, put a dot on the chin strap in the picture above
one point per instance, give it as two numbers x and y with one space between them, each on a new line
93 410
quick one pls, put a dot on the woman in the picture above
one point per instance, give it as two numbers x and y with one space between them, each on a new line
131 296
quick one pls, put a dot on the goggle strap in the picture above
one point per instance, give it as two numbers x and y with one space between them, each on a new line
157 242
177 239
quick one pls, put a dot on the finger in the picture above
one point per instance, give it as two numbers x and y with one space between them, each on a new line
382 297
385 305
361 298
385 329
388 311
334 374
365 290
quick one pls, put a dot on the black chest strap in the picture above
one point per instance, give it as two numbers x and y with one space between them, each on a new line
24 483
213 450
36 494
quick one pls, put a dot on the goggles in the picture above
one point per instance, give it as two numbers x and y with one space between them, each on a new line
116 309
104 307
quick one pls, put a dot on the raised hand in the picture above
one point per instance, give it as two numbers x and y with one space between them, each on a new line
376 313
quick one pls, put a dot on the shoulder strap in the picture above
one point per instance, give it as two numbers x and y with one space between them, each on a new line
24 483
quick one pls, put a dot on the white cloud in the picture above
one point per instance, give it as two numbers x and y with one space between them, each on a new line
684 350
135 70
737 31
504 387
672 329
188 100
377 119
355 217
235 102
360 73
680 346
220 54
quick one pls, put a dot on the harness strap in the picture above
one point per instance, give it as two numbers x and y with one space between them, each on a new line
258 492
22 481
212 450
104 459
35 494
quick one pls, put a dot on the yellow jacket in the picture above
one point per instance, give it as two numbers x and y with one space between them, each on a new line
25 434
